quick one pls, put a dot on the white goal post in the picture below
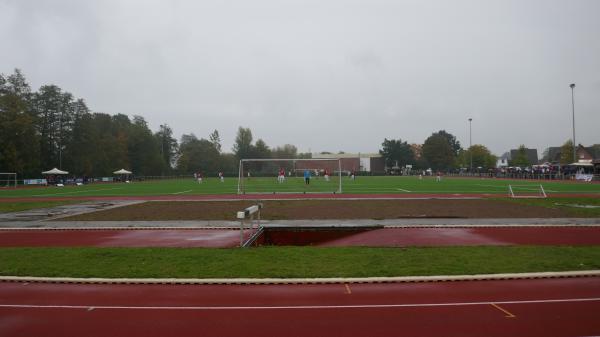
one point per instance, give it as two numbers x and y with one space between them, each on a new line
7 179
256 176
526 191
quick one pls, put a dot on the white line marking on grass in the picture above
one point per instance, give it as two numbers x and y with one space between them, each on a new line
517 187
84 191
355 306
182 192
403 190
531 189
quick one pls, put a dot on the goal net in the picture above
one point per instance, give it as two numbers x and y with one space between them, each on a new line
8 180
526 191
263 176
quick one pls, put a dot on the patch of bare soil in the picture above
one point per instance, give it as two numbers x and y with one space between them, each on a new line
324 209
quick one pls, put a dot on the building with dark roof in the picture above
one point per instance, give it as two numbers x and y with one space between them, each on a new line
584 153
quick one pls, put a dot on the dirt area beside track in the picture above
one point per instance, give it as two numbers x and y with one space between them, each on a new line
323 209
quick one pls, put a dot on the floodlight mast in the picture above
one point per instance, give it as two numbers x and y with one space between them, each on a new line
572 86
470 145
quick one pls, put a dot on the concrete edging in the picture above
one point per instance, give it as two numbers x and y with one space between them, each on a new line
273 281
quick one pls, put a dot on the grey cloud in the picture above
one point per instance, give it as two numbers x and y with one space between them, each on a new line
325 75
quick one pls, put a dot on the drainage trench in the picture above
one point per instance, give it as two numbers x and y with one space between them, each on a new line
302 236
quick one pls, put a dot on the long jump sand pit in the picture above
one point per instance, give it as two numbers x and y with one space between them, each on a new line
324 209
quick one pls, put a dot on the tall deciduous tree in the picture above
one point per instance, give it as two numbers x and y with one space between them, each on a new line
396 152
566 152
482 157
286 151
20 142
521 159
452 141
54 109
198 155
438 152
143 149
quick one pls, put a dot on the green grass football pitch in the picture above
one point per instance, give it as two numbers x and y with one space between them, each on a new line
362 185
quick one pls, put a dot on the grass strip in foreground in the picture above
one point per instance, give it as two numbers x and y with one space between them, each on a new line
292 262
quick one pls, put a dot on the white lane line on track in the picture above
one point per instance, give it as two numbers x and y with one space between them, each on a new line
357 306
182 192
403 190
84 191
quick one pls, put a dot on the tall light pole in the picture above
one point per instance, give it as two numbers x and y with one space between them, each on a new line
470 145
60 133
572 85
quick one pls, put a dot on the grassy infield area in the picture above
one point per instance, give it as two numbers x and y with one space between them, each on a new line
362 185
303 261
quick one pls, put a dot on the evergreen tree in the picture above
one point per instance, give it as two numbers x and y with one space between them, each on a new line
168 147
215 139
243 147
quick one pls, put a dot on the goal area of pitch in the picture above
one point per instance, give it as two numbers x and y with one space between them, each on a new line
526 191
8 180
260 176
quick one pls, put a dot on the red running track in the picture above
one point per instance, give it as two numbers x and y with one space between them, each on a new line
543 307
209 238
472 236
387 237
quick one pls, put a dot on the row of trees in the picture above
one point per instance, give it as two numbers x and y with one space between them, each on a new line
51 128
205 155
440 151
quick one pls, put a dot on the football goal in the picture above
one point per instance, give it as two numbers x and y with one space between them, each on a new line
268 176
8 180
526 191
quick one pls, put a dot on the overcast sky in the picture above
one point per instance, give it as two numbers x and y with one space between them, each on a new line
324 75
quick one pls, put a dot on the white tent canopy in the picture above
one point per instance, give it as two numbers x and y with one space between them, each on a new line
55 171
582 164
122 171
